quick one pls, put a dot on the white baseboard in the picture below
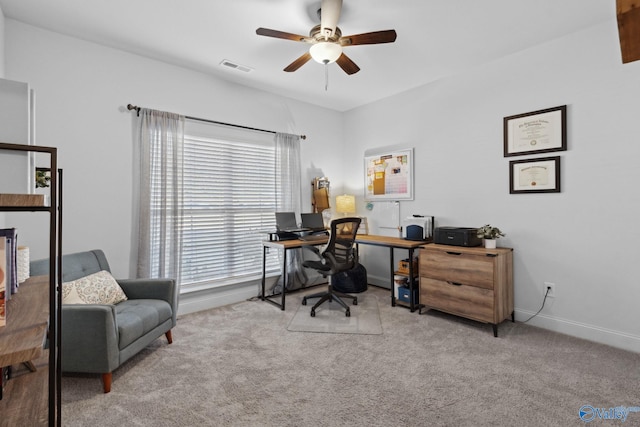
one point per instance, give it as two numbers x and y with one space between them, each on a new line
585 331
206 299
382 282
198 301
217 297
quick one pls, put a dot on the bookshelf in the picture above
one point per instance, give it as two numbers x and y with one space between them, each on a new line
30 342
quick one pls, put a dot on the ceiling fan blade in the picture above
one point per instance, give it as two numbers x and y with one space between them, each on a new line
329 17
376 37
298 62
347 65
282 35
628 29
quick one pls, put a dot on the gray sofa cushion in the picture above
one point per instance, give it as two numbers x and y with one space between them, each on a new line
139 316
75 266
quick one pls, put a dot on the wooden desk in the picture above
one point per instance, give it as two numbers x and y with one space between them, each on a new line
361 239
395 243
285 246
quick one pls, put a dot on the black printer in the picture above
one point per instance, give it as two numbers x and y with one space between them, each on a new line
457 236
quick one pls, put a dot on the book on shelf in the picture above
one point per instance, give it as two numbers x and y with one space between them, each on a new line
5 287
12 257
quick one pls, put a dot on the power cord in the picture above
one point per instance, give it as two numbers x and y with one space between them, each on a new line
543 301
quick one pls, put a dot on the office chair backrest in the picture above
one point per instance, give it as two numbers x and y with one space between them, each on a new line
340 250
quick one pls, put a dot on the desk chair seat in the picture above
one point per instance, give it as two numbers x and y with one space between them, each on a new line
339 255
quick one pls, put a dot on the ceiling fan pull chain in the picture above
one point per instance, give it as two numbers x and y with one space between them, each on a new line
326 75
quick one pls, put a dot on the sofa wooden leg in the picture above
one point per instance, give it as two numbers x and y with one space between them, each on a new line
106 380
169 337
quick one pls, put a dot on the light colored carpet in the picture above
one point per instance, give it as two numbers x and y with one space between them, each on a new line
330 316
239 366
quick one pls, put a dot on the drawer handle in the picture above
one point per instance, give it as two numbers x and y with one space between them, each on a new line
454 253
454 283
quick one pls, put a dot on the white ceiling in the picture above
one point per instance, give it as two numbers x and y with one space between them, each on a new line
436 38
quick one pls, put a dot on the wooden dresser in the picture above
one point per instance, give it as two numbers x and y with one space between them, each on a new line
475 283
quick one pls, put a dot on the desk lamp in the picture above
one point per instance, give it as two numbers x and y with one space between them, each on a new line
346 204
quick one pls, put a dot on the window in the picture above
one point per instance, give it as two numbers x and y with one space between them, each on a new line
229 201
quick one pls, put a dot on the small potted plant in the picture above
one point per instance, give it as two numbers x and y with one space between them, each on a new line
42 178
489 234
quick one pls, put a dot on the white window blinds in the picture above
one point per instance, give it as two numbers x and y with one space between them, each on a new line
229 201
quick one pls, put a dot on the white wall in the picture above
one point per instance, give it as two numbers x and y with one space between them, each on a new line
82 90
1 43
2 37
584 239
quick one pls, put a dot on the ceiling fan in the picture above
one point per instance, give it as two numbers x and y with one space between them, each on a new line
327 41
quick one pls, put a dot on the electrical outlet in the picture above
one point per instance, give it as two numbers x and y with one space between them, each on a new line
552 289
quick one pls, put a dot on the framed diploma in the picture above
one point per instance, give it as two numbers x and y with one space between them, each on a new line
540 175
388 174
540 131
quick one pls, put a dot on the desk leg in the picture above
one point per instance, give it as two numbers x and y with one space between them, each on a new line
284 278
264 270
393 284
412 304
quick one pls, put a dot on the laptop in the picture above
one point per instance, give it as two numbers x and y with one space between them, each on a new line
286 222
313 221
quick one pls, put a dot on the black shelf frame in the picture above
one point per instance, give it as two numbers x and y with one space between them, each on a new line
55 277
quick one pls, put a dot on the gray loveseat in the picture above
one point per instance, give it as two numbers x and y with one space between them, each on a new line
99 338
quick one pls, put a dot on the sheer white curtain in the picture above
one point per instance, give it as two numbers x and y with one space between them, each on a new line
161 147
289 199
288 173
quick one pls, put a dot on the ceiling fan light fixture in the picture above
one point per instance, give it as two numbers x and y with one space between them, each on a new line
325 52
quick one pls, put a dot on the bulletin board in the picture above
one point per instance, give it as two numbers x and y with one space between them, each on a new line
388 174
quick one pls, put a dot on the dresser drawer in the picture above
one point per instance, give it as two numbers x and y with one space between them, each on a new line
472 269
468 301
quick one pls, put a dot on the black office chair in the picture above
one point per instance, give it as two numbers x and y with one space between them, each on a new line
339 255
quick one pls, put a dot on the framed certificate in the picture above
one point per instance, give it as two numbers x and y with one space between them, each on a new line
541 131
540 175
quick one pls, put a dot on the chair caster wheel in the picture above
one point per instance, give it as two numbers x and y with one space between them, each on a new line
348 313
313 313
304 301
355 301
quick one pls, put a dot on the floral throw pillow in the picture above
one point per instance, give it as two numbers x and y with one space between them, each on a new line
97 288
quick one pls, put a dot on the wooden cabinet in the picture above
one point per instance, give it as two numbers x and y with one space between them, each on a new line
475 283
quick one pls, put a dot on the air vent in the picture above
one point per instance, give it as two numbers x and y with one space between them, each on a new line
234 66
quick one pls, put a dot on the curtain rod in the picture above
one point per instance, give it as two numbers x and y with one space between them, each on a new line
135 107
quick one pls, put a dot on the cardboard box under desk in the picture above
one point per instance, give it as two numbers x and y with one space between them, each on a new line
403 266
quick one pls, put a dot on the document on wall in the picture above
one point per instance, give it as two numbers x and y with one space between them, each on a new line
537 132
